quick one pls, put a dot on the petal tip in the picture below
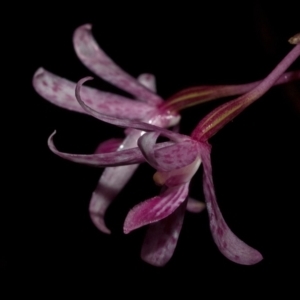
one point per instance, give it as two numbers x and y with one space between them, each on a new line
257 258
87 26
129 224
50 141
152 261
126 229
40 71
99 223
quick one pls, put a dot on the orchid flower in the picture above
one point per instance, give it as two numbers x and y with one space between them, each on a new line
176 162
148 107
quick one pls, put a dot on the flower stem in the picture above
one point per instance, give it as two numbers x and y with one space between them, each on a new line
201 94
223 114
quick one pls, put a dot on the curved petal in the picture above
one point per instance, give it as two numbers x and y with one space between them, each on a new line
94 58
228 243
110 145
61 92
146 143
109 186
124 157
176 156
178 176
156 208
111 182
148 80
125 122
161 238
113 179
195 206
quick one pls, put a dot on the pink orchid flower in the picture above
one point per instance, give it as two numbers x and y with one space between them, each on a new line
148 107
176 162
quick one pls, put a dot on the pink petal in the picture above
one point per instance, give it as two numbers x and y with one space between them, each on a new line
176 156
146 143
195 206
168 158
177 176
148 80
110 145
109 186
112 181
228 243
161 238
125 122
156 208
61 92
124 157
93 57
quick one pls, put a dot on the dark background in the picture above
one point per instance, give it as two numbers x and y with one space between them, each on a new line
47 234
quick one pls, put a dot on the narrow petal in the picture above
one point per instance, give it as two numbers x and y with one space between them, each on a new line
110 145
176 156
148 80
178 176
93 57
195 206
228 243
111 182
156 208
119 158
124 157
113 179
61 92
109 186
146 143
125 122
161 238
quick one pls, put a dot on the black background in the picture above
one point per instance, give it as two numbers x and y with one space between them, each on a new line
48 237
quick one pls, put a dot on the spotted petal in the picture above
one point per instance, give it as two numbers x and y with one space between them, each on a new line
161 238
124 157
61 92
156 208
119 158
125 122
94 58
176 156
108 187
228 243
146 143
112 180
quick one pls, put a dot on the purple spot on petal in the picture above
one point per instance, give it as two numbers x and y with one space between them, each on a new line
220 231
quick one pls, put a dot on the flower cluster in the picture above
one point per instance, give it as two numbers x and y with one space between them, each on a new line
175 161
